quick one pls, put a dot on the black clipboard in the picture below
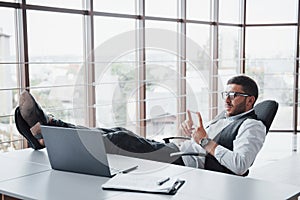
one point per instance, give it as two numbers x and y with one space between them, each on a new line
176 186
143 183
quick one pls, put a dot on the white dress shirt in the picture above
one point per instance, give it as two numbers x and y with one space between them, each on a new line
248 142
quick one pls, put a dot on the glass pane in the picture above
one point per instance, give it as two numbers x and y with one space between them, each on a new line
227 69
158 8
7 35
271 11
116 90
197 88
56 74
199 34
115 6
161 79
55 43
10 137
56 88
229 42
198 10
275 80
115 55
271 42
8 81
109 28
229 62
161 93
198 68
230 11
164 26
55 36
75 4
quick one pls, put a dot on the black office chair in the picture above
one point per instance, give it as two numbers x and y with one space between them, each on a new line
265 111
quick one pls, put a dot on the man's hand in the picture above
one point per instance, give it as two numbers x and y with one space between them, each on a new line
187 125
199 132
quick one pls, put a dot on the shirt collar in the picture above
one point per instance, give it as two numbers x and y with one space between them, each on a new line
235 117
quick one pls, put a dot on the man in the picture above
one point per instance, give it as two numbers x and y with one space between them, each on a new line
231 141
237 135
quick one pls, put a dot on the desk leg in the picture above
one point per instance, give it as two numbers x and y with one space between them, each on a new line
296 197
5 197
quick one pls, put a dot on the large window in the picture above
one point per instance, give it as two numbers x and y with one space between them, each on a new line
271 60
55 60
140 64
9 80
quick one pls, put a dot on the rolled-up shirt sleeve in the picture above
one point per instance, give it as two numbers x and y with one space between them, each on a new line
248 142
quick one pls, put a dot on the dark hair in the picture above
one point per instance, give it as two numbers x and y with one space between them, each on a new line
248 84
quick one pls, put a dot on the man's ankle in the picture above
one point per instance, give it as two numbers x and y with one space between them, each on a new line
36 129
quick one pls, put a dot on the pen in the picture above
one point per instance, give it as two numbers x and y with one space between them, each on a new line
130 169
163 181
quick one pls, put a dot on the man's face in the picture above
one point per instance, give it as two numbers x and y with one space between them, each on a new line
238 104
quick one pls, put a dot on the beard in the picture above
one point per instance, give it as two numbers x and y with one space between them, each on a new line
237 109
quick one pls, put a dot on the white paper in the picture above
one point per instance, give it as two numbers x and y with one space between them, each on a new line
138 182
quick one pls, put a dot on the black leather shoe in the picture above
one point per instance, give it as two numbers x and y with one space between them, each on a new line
24 130
31 111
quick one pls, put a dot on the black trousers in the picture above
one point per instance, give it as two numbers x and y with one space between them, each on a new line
121 141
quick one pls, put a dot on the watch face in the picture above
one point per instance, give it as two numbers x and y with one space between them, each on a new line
204 142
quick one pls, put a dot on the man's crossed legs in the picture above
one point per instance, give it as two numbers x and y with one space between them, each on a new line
29 116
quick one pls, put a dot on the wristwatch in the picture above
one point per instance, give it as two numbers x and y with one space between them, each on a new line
204 142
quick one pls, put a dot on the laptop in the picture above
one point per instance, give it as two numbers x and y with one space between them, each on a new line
80 151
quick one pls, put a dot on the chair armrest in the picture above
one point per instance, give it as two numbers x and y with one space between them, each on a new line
179 154
167 140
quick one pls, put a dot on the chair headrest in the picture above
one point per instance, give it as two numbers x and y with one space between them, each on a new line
266 111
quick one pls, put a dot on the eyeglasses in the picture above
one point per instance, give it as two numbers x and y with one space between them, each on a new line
232 95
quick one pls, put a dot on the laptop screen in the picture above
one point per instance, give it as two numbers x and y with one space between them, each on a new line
77 150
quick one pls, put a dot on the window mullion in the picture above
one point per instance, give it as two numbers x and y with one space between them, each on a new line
141 69
89 60
22 42
243 37
213 86
22 51
181 49
296 86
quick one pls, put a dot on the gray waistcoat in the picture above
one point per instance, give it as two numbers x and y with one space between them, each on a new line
225 138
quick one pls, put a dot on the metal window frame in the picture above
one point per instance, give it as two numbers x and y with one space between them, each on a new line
87 12
182 65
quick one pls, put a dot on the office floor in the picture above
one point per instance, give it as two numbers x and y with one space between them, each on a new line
277 146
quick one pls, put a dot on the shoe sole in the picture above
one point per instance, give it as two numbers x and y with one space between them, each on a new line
24 130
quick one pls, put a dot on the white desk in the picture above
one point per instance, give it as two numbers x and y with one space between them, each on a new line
57 185
200 184
29 155
223 186
286 170
12 168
